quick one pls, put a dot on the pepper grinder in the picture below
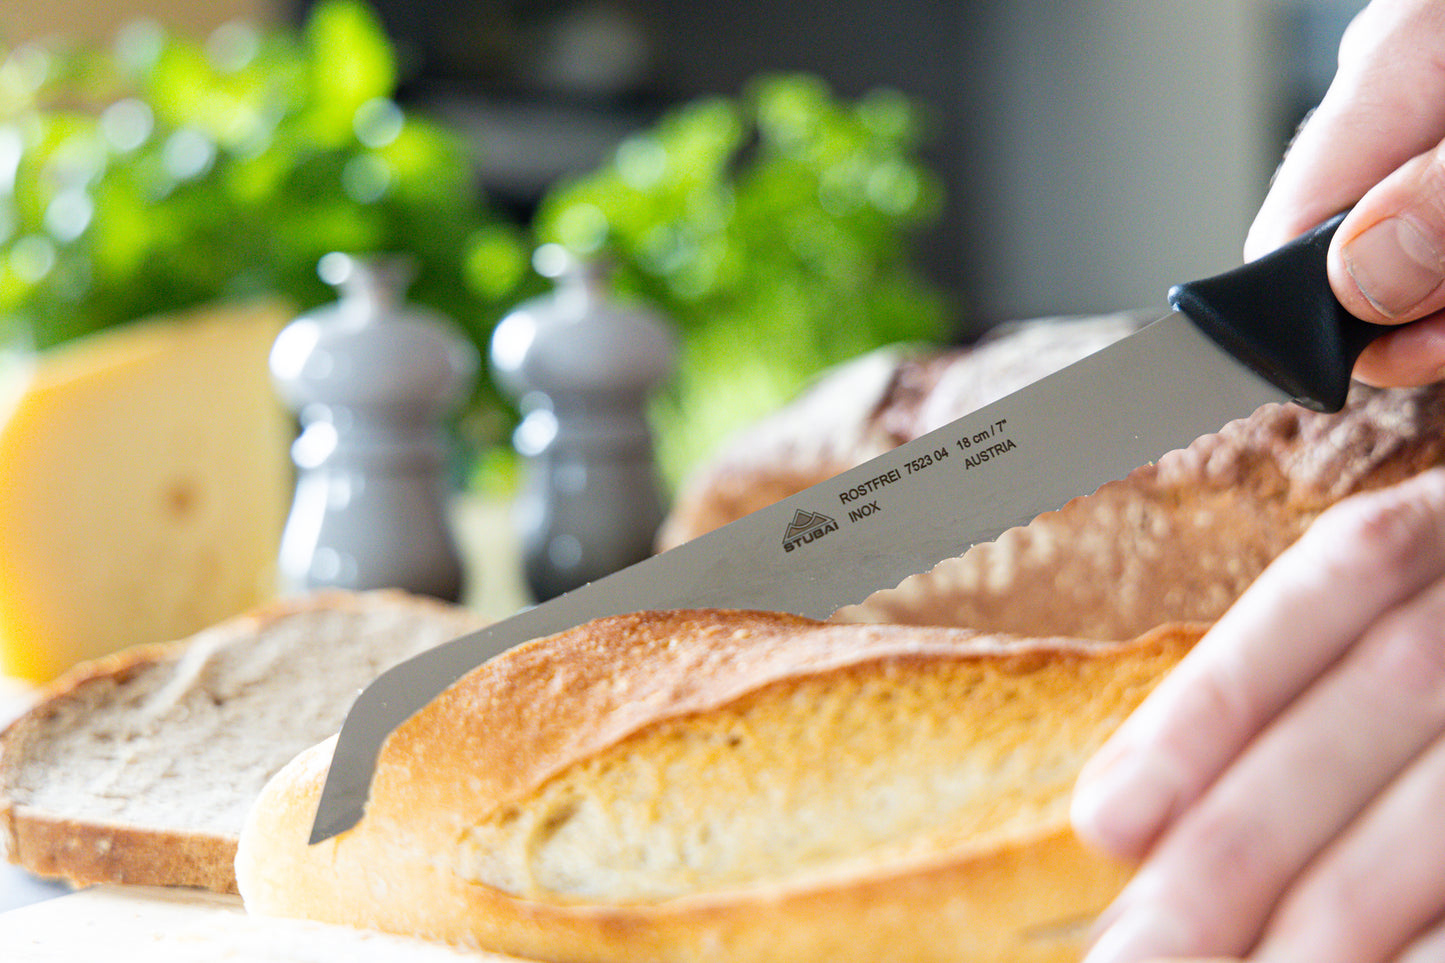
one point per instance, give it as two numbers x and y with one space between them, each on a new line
582 368
371 380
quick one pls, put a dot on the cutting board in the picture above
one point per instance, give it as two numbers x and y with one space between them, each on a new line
143 924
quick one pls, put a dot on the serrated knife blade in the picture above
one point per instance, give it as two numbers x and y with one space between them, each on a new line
932 498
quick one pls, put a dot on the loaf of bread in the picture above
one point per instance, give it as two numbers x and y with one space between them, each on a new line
1182 539
140 767
861 409
729 786
1176 541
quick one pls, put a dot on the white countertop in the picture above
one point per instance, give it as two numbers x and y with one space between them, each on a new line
19 888
146 924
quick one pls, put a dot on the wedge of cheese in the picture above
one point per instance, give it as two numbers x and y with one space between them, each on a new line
144 482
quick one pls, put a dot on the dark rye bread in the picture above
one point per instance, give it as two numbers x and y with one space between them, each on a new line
140 767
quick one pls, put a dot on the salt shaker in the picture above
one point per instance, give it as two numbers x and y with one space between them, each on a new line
582 368
371 380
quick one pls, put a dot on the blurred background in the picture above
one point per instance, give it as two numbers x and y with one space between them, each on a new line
1091 149
818 178
963 164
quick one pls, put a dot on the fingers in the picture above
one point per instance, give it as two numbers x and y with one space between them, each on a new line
1427 948
1218 874
1349 614
1412 355
1375 145
1385 106
1387 265
1358 560
1388 257
1354 907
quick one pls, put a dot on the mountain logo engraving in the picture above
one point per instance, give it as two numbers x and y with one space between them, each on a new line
807 527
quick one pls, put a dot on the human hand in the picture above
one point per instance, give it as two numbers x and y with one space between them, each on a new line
1283 787
1375 144
1287 781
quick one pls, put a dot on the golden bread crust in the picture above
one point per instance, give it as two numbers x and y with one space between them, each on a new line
507 730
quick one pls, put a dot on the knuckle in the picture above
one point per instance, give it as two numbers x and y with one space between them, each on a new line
1234 850
1379 532
1361 36
1426 205
1390 26
1332 914
1405 650
1218 708
1230 866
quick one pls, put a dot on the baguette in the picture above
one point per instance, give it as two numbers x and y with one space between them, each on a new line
140 767
690 786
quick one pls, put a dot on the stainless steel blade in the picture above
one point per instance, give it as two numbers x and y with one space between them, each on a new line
871 527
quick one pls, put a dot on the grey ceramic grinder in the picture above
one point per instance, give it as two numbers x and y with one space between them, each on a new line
582 367
372 381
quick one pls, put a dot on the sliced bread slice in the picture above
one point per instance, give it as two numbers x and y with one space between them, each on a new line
729 786
140 767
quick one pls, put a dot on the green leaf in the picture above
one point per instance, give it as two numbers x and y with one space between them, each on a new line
773 229
496 261
351 64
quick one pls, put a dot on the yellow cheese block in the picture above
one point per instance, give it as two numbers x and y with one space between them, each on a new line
144 482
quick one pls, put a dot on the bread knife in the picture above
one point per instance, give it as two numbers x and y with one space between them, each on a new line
1268 331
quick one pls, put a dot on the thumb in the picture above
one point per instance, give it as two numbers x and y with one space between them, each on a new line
1387 261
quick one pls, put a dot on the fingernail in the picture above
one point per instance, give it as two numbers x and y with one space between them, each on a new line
1120 805
1140 934
1395 264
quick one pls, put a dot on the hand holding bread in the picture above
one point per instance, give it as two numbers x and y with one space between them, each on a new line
1285 783
1283 789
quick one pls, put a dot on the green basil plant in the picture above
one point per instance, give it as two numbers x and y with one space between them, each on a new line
162 173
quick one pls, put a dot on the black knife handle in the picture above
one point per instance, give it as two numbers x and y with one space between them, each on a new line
1279 316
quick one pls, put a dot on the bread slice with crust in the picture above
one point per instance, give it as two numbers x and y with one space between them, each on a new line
737 786
140 767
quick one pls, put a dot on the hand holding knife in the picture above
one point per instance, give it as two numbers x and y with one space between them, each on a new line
1269 331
